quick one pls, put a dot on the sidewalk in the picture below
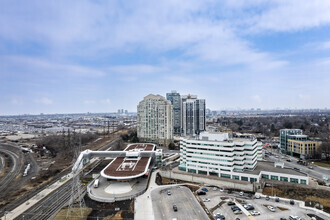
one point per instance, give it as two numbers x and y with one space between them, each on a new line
143 205
35 199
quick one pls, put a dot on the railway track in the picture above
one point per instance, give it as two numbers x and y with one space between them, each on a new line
49 206
18 164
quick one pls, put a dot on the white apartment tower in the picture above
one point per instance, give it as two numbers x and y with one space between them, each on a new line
155 120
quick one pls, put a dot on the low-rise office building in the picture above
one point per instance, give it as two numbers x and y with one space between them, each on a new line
303 148
218 154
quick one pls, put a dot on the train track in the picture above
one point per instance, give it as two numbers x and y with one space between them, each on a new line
18 164
49 206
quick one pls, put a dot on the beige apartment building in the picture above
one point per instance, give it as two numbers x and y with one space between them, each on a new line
155 120
306 148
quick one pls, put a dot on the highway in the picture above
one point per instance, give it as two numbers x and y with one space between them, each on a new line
316 172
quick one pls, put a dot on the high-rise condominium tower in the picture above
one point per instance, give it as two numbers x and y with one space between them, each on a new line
175 99
193 115
155 120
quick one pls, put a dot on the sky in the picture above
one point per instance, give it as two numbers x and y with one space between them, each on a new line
100 56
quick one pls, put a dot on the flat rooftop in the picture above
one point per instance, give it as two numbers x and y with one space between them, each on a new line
269 166
128 167
140 147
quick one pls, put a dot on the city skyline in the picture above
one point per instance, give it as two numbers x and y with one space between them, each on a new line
76 57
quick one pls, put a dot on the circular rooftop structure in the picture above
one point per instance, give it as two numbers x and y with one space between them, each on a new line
131 166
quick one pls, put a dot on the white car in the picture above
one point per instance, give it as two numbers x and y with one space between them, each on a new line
215 188
236 212
271 208
254 213
241 193
206 200
257 196
222 189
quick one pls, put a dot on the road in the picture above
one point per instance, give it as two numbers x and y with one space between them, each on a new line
316 172
182 197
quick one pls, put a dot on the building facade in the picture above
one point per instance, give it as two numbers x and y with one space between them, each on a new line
193 115
220 155
303 148
175 98
155 120
284 135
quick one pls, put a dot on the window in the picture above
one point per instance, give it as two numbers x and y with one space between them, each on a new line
244 178
284 179
293 180
225 175
303 181
274 177
265 176
252 180
235 177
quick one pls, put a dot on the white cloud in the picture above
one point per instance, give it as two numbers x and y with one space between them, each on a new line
256 98
16 101
106 101
44 101
297 15
135 69
89 102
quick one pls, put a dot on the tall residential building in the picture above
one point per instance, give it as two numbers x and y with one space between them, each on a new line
175 99
284 135
193 115
155 120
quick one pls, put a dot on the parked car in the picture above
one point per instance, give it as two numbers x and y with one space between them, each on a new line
267 198
201 193
234 208
310 167
241 193
254 213
205 190
283 219
271 208
250 195
222 189
249 207
277 199
175 208
289 160
230 203
230 191
169 192
291 202
257 196
215 188
296 169
237 211
206 200
292 217
219 216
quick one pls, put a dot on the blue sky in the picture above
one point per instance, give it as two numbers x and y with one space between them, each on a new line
99 56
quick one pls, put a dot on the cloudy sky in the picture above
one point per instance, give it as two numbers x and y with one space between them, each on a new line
98 56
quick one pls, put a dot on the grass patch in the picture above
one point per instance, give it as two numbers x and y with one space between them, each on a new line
282 208
74 214
322 164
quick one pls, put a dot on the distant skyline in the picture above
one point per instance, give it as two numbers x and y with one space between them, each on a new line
100 56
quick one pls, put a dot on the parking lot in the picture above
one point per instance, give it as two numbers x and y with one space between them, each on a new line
218 204
187 205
